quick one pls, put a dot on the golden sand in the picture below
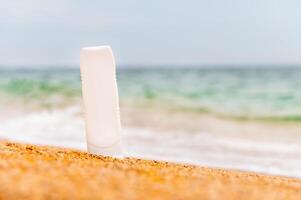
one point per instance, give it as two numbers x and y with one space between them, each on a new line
35 172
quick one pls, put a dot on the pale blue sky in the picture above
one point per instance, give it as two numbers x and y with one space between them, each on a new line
156 32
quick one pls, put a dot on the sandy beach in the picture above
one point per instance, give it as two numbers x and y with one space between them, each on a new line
41 172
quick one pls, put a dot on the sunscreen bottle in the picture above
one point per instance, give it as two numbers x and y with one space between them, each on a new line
100 98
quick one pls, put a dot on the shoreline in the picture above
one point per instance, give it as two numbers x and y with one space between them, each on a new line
39 172
155 118
158 119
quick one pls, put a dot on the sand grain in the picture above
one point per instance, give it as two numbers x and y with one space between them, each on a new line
37 172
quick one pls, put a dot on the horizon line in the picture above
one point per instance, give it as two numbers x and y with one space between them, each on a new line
160 66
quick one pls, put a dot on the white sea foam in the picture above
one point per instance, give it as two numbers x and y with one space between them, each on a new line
65 128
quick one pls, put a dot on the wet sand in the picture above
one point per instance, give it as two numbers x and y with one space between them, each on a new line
40 172
152 117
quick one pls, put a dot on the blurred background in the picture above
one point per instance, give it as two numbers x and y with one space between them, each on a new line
213 83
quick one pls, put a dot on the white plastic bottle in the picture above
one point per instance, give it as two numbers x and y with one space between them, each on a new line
101 104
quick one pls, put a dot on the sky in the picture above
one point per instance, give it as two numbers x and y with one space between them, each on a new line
149 33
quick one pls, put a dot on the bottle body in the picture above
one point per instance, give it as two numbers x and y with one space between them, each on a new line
100 99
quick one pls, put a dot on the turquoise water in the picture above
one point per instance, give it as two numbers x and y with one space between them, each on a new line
266 93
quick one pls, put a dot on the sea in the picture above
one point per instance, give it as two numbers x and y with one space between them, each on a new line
246 118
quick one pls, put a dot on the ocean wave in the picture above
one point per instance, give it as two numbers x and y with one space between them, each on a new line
241 94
